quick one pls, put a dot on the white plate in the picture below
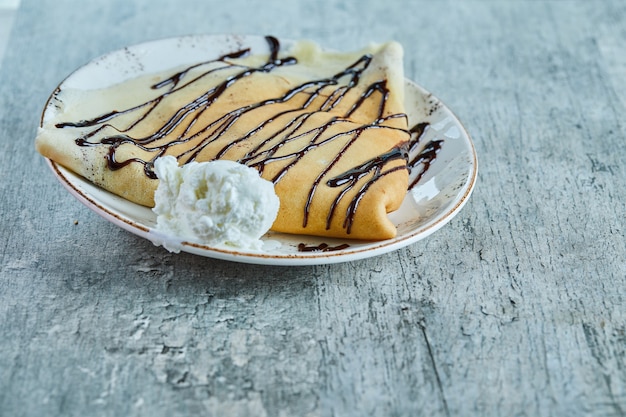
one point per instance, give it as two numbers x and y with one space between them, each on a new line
433 202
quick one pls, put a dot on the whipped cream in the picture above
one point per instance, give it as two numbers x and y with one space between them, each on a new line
217 203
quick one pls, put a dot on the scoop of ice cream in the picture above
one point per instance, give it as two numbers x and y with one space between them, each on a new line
213 203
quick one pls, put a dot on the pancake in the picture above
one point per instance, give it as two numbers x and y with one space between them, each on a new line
328 129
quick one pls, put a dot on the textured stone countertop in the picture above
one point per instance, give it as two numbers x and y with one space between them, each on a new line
516 307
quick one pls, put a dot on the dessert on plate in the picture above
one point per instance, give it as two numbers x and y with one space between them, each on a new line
327 129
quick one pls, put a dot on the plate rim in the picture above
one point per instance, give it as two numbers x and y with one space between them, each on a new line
352 253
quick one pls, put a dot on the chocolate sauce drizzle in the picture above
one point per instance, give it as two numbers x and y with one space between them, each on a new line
322 247
266 152
421 162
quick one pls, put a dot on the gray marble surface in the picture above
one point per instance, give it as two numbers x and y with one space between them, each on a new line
517 307
8 8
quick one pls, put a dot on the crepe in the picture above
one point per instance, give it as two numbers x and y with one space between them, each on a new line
327 128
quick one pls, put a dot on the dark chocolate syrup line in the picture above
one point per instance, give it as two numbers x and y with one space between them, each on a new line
322 247
425 158
266 152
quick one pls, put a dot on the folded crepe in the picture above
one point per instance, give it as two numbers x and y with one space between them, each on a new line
327 128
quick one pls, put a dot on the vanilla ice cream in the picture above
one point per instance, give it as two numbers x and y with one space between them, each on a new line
213 203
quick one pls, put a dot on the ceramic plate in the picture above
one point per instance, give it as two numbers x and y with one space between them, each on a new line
438 196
